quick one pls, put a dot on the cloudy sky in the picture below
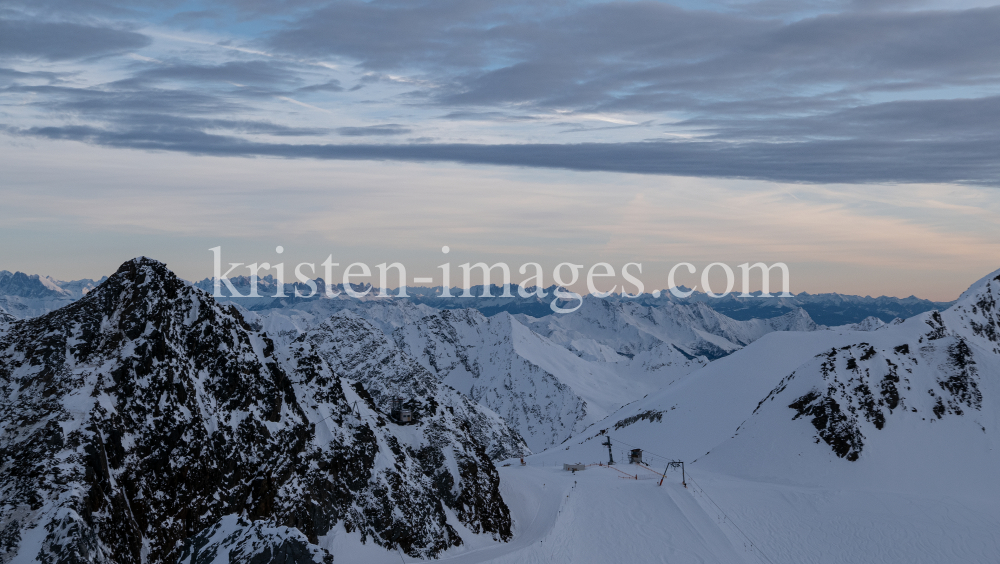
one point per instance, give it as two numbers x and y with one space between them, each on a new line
855 141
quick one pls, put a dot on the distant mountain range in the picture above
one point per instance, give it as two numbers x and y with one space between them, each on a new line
24 296
824 309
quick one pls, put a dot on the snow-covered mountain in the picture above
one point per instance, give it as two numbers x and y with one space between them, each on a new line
609 330
800 405
926 385
548 377
78 288
552 377
625 350
147 423
33 286
358 350
24 296
844 445
826 309
541 389
284 323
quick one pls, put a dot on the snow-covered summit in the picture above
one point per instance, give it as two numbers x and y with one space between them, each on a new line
145 421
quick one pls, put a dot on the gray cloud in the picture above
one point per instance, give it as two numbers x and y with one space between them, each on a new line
159 112
390 34
945 121
647 56
329 86
112 104
808 161
796 91
233 126
260 73
374 130
60 41
189 19
487 116
13 76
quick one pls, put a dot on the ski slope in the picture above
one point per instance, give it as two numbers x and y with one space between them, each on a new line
600 516
605 517
597 515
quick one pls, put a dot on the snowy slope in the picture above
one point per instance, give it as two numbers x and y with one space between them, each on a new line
840 446
704 408
867 324
541 389
843 395
608 330
922 389
551 377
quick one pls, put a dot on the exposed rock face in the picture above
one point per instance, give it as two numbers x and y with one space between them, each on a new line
146 423
861 387
928 366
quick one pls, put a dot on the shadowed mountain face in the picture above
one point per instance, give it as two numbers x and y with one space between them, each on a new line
147 423
358 350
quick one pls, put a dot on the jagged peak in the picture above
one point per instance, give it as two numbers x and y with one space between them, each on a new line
141 289
143 275
142 270
140 262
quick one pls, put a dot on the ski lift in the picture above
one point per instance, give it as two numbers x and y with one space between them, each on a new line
635 456
402 415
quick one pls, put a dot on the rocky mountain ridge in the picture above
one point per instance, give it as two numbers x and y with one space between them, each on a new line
147 423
